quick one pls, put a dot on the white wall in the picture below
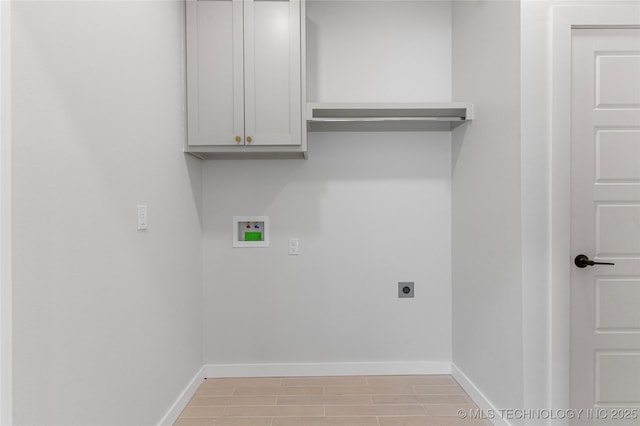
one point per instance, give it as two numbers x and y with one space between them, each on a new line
370 209
487 267
546 259
536 250
107 320
5 214
378 51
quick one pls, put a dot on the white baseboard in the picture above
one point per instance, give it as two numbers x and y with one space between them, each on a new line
184 398
326 369
478 397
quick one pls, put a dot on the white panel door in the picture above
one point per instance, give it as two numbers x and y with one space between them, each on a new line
272 72
605 204
215 72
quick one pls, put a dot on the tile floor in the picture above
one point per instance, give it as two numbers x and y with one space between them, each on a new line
330 401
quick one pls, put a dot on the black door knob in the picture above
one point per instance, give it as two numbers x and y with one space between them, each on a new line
582 261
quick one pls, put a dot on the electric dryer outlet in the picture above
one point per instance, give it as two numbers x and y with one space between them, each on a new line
405 289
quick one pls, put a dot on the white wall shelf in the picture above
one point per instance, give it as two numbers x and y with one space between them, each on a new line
387 116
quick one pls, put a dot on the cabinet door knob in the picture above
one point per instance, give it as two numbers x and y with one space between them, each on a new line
238 139
249 139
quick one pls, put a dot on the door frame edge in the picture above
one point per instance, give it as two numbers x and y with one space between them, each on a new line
563 20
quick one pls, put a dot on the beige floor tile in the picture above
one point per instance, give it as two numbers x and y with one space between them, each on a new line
232 400
373 410
325 421
421 399
445 399
244 381
275 411
449 410
215 390
278 390
194 422
368 390
324 400
438 390
325 381
416 400
202 411
412 380
428 421
234 421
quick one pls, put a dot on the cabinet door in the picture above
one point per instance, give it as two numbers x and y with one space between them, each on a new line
272 72
214 72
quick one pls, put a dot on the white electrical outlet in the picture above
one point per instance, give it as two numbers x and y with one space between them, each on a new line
294 246
142 217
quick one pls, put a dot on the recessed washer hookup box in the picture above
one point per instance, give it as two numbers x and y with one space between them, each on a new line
251 231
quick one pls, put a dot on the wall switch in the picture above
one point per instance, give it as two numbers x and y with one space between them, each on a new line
294 246
405 289
142 217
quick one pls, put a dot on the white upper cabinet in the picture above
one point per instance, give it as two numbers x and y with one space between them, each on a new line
215 90
272 72
244 66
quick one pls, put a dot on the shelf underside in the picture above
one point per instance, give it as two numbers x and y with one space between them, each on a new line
382 126
387 117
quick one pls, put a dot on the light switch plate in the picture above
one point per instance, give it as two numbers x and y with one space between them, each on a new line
294 246
142 217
